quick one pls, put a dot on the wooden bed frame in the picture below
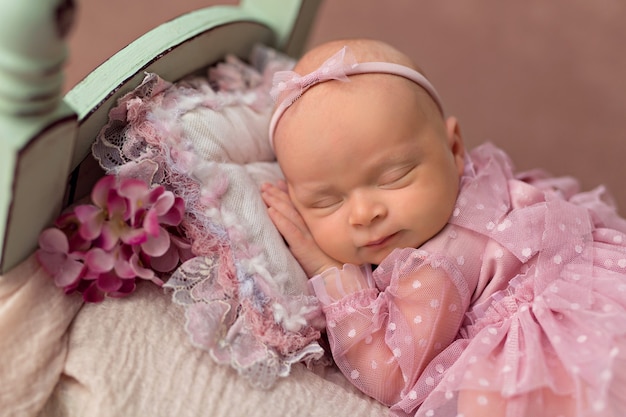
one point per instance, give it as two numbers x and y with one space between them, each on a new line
45 139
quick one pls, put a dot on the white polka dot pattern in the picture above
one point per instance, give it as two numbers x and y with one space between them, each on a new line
530 266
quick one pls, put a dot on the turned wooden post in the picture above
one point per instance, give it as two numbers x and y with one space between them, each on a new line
37 130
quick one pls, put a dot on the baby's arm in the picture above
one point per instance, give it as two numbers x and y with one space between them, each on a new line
384 329
383 338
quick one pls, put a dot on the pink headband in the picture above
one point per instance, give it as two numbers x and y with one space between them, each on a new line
288 86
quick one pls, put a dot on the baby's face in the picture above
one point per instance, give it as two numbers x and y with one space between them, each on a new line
367 168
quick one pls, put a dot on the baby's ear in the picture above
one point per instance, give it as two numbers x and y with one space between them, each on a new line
455 141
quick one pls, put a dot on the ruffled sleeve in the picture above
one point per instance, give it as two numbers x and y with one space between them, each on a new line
334 284
385 327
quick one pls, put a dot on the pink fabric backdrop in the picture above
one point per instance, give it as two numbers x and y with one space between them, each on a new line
543 80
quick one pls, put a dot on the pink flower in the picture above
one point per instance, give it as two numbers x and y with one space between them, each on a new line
54 253
178 252
130 232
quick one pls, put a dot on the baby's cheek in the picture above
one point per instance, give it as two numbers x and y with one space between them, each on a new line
335 243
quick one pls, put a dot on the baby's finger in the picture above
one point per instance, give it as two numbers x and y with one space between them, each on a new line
273 196
278 201
292 232
282 185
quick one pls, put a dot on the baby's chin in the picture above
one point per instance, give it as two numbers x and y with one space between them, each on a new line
402 241
375 256
378 258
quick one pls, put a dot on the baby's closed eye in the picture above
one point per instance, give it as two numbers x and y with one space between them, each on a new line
325 202
397 177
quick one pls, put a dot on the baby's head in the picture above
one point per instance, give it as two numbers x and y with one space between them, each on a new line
370 162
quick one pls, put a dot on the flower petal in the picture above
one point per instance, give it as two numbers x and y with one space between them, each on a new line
134 236
79 285
99 261
155 194
69 274
100 191
157 245
164 202
53 240
51 262
157 281
151 223
85 212
124 269
128 286
66 220
133 188
91 219
93 294
166 262
109 282
117 206
136 191
69 224
175 214
141 272
108 237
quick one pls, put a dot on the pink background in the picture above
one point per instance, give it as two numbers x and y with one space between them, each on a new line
542 79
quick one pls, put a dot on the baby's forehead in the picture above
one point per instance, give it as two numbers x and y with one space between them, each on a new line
364 50
369 103
333 65
374 94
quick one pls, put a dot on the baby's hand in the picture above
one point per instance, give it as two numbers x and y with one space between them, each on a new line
291 225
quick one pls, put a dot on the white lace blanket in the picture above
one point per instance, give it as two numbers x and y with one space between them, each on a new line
205 139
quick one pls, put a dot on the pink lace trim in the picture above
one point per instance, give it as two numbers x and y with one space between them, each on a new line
231 308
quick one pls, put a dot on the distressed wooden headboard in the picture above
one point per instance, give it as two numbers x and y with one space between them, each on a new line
45 138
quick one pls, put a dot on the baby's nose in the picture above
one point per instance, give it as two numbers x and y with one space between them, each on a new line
365 209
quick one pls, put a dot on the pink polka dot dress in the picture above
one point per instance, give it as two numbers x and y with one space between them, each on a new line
516 308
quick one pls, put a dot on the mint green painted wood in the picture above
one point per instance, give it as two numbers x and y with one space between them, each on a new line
290 20
184 45
35 155
31 55
44 138
207 43
37 130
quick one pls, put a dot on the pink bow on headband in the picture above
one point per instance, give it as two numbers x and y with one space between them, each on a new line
288 86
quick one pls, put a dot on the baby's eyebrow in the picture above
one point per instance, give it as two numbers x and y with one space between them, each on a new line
396 162
312 188
392 163
315 191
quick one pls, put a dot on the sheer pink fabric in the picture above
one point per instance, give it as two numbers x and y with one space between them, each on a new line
516 308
